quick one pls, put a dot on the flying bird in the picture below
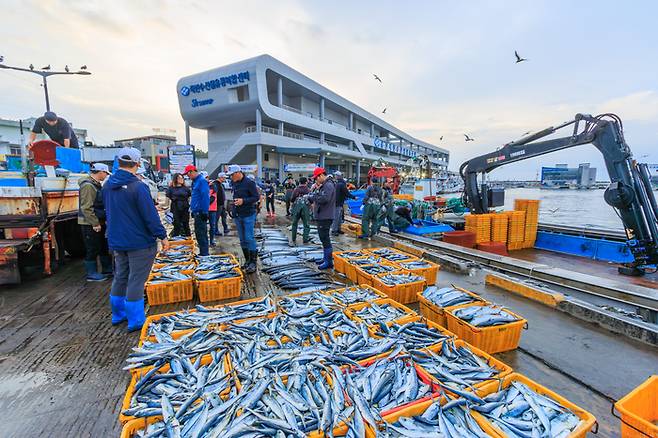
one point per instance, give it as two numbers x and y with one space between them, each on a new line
441 138
467 138
377 78
518 58
46 67
2 58
84 67
66 68
553 211
384 112
31 66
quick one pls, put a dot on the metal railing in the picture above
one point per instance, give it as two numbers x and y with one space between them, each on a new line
274 131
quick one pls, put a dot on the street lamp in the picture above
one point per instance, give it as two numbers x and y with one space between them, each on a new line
44 75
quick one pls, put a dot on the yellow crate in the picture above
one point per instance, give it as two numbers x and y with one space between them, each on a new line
363 277
430 273
480 224
340 260
402 293
437 314
220 289
334 293
372 251
639 410
170 292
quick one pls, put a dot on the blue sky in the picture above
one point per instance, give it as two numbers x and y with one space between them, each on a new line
447 68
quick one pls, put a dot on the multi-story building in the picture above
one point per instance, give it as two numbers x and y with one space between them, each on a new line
563 177
261 113
153 147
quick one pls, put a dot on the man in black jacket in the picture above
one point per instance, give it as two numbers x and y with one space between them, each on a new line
245 198
323 198
220 192
342 194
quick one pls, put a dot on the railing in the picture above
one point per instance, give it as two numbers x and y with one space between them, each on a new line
274 131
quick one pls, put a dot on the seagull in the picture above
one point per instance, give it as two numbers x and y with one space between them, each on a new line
2 58
377 78
441 138
46 67
84 67
553 211
518 58
66 68
467 138
384 112
31 66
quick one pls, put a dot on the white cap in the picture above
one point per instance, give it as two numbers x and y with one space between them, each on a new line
232 168
100 167
221 175
130 154
203 174
141 170
338 173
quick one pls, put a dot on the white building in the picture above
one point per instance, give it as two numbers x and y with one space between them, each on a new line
261 112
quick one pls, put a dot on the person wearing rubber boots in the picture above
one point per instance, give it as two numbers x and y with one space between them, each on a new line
323 198
388 207
91 218
133 229
245 198
372 202
300 210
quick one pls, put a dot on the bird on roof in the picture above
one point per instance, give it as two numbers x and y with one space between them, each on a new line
84 67
66 68
525 133
46 67
31 66
384 112
467 138
377 78
518 58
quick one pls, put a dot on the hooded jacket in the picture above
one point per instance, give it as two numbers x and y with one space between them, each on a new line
200 202
132 221
324 200
90 207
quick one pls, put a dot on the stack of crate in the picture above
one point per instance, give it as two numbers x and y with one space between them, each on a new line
480 224
515 229
499 228
531 209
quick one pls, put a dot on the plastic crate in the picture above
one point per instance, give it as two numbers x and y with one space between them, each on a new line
350 268
430 273
220 289
372 251
402 293
170 292
639 410
494 339
499 248
363 277
384 301
462 238
340 261
588 421
130 429
416 318
334 293
437 314
480 224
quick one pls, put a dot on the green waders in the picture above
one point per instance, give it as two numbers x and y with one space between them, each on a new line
369 225
300 210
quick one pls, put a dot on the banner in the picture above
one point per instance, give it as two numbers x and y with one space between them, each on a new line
180 155
300 167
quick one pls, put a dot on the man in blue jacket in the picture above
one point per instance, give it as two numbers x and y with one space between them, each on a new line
199 205
133 227
245 198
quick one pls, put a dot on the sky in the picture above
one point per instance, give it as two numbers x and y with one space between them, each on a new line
447 67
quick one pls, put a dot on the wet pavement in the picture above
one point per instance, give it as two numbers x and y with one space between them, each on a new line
61 360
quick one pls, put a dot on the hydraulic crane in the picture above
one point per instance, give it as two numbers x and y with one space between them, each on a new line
629 192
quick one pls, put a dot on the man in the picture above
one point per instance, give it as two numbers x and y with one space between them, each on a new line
323 198
341 195
245 198
388 207
133 227
91 218
270 192
199 205
221 203
288 186
300 210
372 202
58 129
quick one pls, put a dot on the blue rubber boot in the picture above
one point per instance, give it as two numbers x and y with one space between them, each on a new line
92 272
118 305
135 314
328 262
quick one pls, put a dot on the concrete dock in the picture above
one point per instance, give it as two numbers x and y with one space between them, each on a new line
61 360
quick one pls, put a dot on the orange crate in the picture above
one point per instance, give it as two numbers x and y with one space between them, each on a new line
639 410
340 261
372 251
415 318
587 420
430 273
335 293
131 428
351 266
350 311
220 289
402 293
437 314
494 339
170 292
363 277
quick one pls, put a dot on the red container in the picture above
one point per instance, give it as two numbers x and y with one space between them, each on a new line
499 248
461 238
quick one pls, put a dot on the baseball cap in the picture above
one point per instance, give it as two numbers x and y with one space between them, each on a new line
203 174
338 173
130 154
50 116
189 168
221 175
232 168
100 167
318 171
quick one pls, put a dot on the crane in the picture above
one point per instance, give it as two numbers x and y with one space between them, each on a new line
629 192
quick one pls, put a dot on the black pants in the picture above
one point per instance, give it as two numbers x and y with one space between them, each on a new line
201 232
269 204
95 243
181 223
288 197
324 225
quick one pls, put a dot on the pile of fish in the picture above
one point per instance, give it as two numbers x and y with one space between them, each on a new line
416 264
397 279
216 263
362 261
448 296
413 335
521 412
377 269
485 315
355 294
348 255
379 313
391 254
178 254
177 267
168 276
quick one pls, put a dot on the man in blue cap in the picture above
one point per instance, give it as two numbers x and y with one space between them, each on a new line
133 228
58 129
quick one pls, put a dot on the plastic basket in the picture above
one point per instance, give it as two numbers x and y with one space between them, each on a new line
402 293
588 421
340 261
363 277
350 311
130 429
372 251
220 289
334 292
350 269
639 410
430 273
416 318
437 314
494 339
170 292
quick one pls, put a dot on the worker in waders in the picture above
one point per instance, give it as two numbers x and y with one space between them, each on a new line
289 186
300 210
372 202
388 207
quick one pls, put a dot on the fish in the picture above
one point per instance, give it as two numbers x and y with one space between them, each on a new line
447 296
485 315
398 279
375 313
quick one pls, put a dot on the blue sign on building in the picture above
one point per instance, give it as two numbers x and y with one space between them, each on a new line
214 84
395 148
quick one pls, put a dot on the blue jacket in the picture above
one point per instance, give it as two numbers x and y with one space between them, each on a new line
200 202
246 190
132 220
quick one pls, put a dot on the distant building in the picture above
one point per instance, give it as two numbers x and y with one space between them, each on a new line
153 147
10 136
563 177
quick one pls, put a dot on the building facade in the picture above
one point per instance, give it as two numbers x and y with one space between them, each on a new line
563 177
262 113
153 147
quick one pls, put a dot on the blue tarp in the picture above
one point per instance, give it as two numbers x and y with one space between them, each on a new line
597 249
427 227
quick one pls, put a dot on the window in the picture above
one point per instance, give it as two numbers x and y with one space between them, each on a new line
267 157
238 94
14 150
